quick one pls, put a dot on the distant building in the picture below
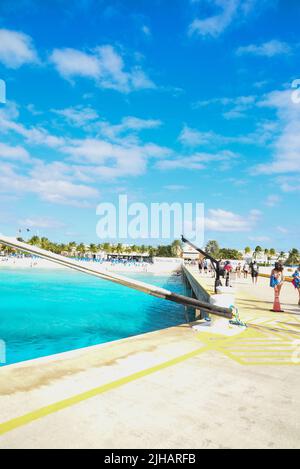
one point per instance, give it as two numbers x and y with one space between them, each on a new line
190 254
135 256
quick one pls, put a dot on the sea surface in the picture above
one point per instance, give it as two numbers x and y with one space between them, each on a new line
44 312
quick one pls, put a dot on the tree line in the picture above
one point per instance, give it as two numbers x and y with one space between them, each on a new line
171 250
81 250
213 248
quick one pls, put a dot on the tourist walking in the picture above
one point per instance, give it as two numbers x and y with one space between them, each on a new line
238 270
296 281
228 270
276 282
246 269
254 271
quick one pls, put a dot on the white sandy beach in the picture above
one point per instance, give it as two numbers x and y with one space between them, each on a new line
37 263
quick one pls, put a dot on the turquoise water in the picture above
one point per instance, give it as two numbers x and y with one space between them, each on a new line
43 312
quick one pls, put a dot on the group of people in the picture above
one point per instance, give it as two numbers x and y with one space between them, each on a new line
296 281
205 267
277 279
251 268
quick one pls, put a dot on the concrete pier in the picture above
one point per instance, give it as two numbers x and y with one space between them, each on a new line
175 388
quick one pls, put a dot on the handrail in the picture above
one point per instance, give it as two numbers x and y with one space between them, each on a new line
215 263
119 279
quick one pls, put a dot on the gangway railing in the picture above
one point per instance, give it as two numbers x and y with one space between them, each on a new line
119 279
215 263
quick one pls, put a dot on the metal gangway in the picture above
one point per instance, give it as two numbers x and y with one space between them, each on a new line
119 279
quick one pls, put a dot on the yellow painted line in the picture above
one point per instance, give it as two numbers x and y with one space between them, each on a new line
17 422
220 344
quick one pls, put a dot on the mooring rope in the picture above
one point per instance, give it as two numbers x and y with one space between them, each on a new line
236 321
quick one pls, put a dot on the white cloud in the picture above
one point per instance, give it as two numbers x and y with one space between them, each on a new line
146 30
266 49
208 102
226 12
59 191
282 229
128 124
8 152
35 135
72 62
286 145
289 183
101 159
197 161
16 49
226 221
234 108
261 136
77 115
41 222
272 200
104 65
260 84
32 109
115 151
192 137
214 25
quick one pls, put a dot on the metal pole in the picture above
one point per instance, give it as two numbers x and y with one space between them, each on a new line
215 263
119 279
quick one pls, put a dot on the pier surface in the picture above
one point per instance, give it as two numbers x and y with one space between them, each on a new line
174 388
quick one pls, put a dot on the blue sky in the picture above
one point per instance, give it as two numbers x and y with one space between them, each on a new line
185 101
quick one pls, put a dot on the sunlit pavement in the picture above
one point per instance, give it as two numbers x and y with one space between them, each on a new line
175 388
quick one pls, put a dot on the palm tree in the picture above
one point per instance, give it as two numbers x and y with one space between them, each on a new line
176 248
152 251
8 250
247 250
62 248
281 256
81 249
35 241
106 247
93 248
212 248
119 248
257 251
272 252
294 257
113 248
45 243
72 247
266 253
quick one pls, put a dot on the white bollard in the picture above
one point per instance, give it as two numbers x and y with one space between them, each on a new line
224 299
